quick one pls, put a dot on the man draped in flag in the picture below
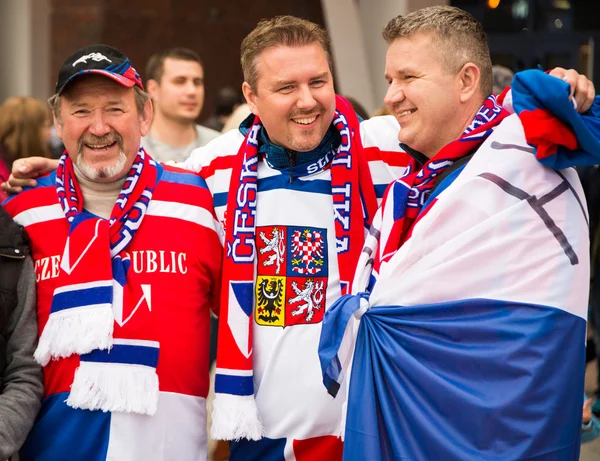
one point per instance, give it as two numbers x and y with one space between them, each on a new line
465 336
127 257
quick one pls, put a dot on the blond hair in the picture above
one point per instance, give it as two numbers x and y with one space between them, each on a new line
279 31
21 122
458 35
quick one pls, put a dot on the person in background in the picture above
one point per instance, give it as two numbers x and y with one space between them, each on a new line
175 81
590 426
590 181
226 102
502 78
236 117
24 132
20 375
383 110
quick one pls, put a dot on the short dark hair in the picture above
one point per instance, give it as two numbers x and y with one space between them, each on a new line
279 31
156 64
456 32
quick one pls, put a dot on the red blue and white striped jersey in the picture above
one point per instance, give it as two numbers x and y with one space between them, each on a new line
176 255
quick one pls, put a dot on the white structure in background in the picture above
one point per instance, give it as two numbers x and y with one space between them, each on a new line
25 48
354 26
358 50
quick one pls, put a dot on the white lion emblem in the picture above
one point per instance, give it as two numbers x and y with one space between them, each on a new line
311 295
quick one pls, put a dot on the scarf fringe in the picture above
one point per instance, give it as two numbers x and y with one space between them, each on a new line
75 331
235 417
115 387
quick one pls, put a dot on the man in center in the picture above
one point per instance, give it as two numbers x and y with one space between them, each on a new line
295 188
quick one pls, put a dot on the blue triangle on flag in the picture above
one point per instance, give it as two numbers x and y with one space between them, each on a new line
244 294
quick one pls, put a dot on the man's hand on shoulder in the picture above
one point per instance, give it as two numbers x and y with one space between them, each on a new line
24 172
582 89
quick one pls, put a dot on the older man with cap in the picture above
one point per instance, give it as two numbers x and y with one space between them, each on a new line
114 236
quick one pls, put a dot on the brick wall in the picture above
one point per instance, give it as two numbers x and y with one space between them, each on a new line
214 28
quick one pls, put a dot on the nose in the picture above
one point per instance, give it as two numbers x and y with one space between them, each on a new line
190 87
306 100
394 95
98 125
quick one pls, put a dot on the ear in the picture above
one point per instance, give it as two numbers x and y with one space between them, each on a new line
250 96
468 80
146 118
152 87
57 125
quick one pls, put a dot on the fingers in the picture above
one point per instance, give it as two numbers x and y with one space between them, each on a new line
10 190
558 72
20 168
587 97
580 92
33 167
587 404
15 185
582 89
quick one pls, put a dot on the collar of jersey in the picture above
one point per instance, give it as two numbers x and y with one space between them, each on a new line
277 156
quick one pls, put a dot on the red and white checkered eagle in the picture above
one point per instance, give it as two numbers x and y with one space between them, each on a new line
308 251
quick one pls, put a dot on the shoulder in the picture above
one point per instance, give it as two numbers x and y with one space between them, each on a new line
206 134
11 234
381 132
212 155
37 204
172 176
505 171
183 195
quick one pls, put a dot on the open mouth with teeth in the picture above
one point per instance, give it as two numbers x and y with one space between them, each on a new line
101 147
100 144
305 120
404 113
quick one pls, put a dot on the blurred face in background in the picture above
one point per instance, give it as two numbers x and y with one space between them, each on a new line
25 124
179 95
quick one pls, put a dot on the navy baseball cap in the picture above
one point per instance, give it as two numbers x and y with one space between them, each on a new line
98 59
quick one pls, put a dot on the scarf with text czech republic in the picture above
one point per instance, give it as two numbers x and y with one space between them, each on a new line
118 356
235 414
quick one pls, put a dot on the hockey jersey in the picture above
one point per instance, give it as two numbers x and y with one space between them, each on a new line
296 262
175 256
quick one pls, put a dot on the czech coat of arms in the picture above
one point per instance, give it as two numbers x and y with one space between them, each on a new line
292 275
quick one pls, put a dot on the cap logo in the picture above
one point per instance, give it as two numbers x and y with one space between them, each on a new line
93 56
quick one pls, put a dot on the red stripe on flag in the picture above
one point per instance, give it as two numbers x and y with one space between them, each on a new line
328 448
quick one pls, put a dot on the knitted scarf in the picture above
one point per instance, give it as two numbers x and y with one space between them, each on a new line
235 414
404 198
117 370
